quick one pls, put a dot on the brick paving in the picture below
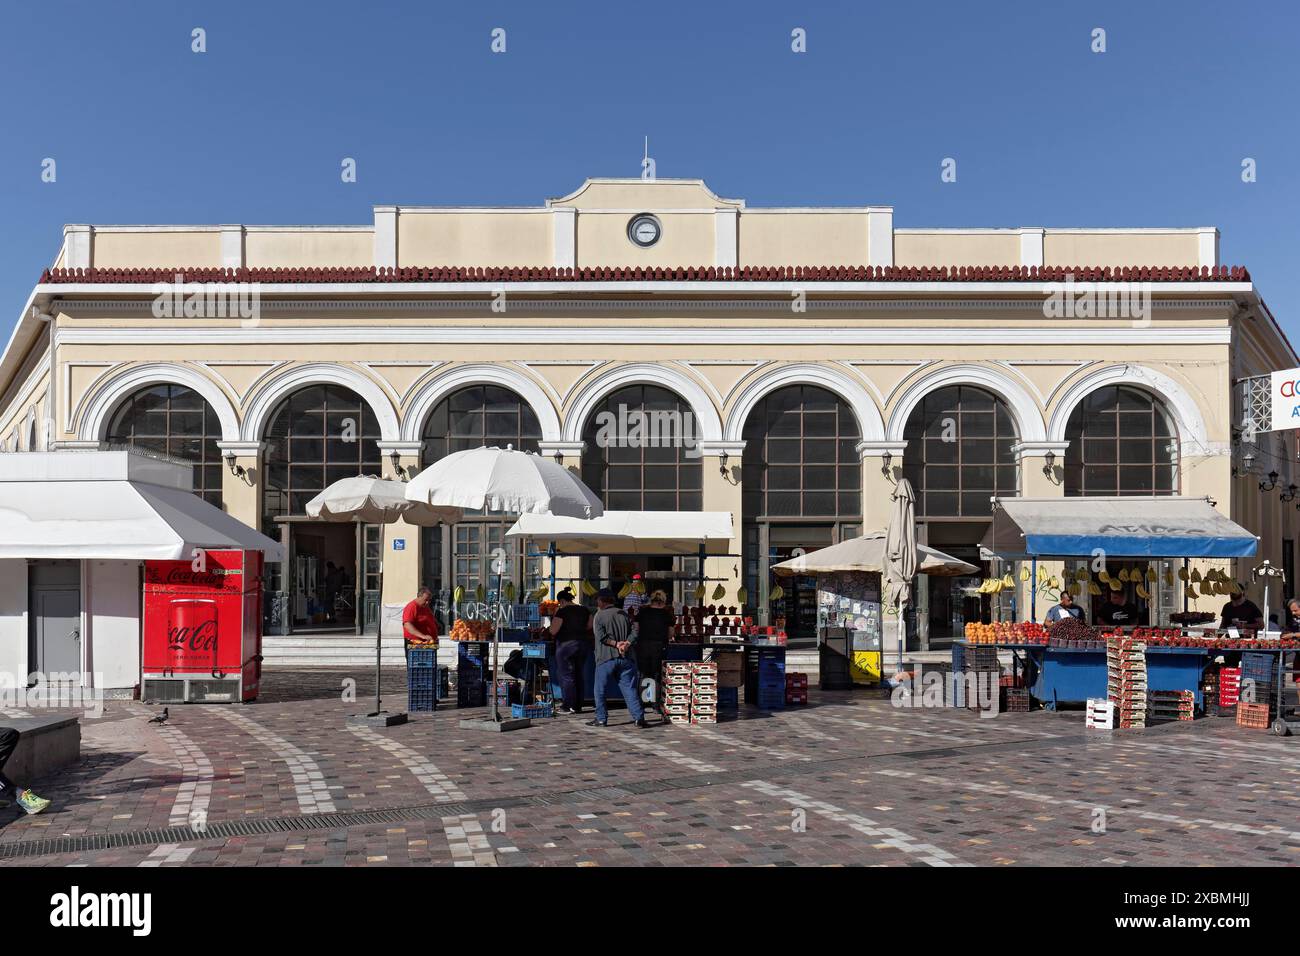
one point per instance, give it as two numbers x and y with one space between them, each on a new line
847 780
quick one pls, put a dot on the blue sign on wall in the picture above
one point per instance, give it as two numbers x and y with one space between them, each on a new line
399 544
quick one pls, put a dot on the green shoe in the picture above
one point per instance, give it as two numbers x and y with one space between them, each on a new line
31 803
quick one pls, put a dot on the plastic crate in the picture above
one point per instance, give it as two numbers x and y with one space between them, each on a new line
532 710
419 701
728 698
425 678
1258 667
422 657
1253 716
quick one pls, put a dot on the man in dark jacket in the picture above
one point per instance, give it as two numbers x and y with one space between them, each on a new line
615 659
10 792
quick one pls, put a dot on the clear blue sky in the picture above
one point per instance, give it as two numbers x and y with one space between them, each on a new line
1045 132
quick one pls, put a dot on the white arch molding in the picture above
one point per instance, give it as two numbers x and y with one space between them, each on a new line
1178 402
269 395
97 406
1024 410
464 376
870 423
643 373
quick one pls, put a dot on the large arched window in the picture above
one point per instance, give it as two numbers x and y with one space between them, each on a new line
177 421
316 436
959 441
474 417
802 480
642 451
1122 442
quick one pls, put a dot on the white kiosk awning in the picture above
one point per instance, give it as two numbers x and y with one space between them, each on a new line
115 505
631 532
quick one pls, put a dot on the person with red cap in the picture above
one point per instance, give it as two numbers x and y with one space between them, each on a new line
635 597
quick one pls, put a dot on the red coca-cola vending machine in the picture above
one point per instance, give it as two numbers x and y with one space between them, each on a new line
202 629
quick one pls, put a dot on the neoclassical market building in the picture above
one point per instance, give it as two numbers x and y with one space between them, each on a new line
815 355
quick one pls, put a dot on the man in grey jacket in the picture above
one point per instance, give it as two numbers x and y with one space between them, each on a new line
615 659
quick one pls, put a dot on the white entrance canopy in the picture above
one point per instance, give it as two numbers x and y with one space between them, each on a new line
1166 526
631 532
111 505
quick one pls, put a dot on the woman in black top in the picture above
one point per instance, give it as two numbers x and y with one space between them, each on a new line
571 627
655 626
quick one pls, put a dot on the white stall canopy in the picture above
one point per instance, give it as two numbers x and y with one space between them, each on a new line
630 532
111 505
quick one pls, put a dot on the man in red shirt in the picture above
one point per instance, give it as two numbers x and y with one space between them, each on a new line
419 624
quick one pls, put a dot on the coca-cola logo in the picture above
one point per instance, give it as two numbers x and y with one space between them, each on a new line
198 639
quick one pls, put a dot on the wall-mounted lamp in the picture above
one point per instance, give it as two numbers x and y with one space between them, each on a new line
722 463
1049 460
1247 462
559 459
1270 484
885 459
398 470
1290 493
239 471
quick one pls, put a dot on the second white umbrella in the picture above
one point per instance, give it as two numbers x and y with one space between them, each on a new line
504 480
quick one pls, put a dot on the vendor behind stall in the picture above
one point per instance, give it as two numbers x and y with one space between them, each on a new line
634 600
1065 607
1241 612
1118 611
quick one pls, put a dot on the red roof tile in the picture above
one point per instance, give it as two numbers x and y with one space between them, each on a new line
436 274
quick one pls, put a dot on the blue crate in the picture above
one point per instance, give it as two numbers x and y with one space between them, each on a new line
426 678
728 698
535 651
1258 667
422 657
958 658
419 701
531 710
478 650
525 615
770 703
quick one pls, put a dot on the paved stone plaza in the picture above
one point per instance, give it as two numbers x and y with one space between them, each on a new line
847 780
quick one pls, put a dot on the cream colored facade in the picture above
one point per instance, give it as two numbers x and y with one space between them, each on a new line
563 342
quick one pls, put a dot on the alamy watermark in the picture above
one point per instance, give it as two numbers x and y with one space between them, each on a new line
57 689
653 428
179 299
1098 300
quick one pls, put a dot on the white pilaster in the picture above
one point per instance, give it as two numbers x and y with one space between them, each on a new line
1207 246
386 237
1031 246
78 242
880 236
726 238
564 220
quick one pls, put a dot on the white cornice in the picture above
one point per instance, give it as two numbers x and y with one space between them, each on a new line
627 335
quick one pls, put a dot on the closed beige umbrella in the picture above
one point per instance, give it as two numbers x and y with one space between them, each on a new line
900 556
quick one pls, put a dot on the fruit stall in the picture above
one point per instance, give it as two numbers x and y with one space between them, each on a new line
1071 662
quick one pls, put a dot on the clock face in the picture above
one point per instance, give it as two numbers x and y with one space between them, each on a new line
644 230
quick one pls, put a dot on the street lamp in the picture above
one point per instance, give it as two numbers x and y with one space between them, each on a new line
1271 483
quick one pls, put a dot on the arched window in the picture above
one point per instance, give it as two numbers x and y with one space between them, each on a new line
802 480
1122 442
173 420
315 436
474 417
959 441
642 451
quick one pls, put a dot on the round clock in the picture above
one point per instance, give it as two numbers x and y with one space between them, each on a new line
644 230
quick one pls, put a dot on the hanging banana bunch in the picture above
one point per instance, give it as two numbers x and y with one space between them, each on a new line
1142 592
742 596
1169 579
1008 582
1103 576
1115 585
624 591
699 592
1196 575
479 594
1151 573
719 593
1024 572
1094 589
1042 576
1124 575
588 589
1182 574
458 595
777 594
509 591
538 593
982 587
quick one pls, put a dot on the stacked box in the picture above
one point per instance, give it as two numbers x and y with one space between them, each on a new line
731 668
1015 700
728 699
1229 687
983 663
704 693
1261 668
765 677
423 680
1126 680
796 688
508 692
1167 705
1101 714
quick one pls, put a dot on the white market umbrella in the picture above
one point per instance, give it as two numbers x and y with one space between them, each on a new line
901 554
509 482
867 553
363 499
504 480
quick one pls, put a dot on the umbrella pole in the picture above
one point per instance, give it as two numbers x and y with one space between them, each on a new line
379 630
